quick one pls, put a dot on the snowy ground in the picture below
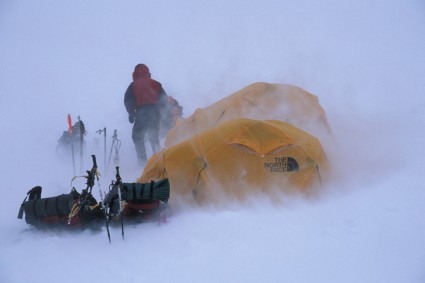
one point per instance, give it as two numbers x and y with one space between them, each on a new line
363 59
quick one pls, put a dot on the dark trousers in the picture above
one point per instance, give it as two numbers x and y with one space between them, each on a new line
146 126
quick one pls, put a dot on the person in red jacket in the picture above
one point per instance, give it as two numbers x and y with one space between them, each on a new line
144 100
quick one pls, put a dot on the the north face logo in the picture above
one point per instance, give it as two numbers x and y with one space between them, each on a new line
282 164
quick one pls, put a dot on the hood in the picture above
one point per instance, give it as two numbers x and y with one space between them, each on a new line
141 71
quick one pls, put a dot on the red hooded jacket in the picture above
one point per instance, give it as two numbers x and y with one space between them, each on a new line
145 90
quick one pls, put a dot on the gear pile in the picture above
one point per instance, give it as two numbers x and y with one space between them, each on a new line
124 201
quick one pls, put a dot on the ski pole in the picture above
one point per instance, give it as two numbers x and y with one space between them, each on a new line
118 183
114 140
72 141
104 146
105 212
82 132
117 147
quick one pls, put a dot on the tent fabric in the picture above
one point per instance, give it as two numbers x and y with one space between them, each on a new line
238 158
261 101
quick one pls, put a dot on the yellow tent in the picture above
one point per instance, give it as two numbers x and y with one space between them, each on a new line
262 101
238 158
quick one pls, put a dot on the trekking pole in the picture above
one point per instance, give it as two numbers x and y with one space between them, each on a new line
72 141
104 146
82 132
118 184
117 147
105 212
115 144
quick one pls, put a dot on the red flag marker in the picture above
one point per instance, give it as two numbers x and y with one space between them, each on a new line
69 125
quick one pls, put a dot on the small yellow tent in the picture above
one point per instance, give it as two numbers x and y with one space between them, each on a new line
261 101
238 158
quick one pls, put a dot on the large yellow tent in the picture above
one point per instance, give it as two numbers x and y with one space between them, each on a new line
238 158
262 101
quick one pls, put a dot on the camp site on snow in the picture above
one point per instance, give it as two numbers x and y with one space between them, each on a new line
263 139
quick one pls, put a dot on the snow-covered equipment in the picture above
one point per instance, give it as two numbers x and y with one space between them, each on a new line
132 201
72 142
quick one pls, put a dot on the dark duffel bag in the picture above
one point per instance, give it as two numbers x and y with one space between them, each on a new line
46 210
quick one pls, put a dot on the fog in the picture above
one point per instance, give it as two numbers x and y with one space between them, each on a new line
363 59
